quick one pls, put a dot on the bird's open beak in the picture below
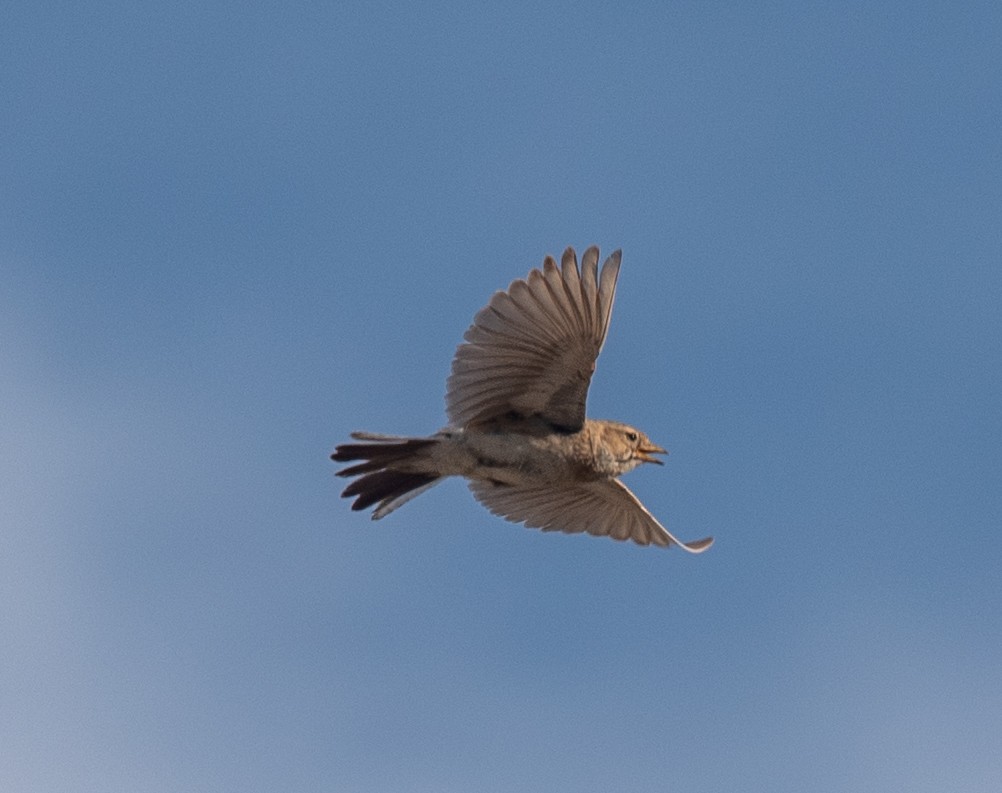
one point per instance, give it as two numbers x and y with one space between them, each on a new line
644 454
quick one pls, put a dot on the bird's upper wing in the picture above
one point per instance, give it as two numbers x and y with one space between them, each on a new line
532 349
605 507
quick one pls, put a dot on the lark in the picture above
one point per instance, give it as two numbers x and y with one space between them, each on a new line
517 430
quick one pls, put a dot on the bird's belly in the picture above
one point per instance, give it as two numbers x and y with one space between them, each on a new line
517 459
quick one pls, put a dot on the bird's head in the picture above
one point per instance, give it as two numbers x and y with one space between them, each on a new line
622 448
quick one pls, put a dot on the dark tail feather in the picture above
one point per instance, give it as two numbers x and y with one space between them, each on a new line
386 473
378 454
384 486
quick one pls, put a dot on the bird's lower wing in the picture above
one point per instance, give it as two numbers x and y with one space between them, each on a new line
605 508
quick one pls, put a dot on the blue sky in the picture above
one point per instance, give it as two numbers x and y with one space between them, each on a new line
233 233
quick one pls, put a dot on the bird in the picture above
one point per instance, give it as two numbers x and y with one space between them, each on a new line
517 430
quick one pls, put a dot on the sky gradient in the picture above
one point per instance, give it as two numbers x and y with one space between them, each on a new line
230 234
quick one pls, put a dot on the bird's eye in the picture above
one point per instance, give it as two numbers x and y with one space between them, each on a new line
631 437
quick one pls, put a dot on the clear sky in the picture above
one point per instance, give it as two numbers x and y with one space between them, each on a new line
230 234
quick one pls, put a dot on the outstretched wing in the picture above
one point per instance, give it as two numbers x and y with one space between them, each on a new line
605 507
531 351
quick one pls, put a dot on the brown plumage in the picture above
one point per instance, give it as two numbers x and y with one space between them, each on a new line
516 406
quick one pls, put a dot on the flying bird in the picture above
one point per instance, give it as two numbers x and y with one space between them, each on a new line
517 431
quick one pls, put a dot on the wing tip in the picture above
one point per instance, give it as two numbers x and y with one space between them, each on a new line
696 546
612 264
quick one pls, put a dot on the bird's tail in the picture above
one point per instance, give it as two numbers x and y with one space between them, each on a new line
393 470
